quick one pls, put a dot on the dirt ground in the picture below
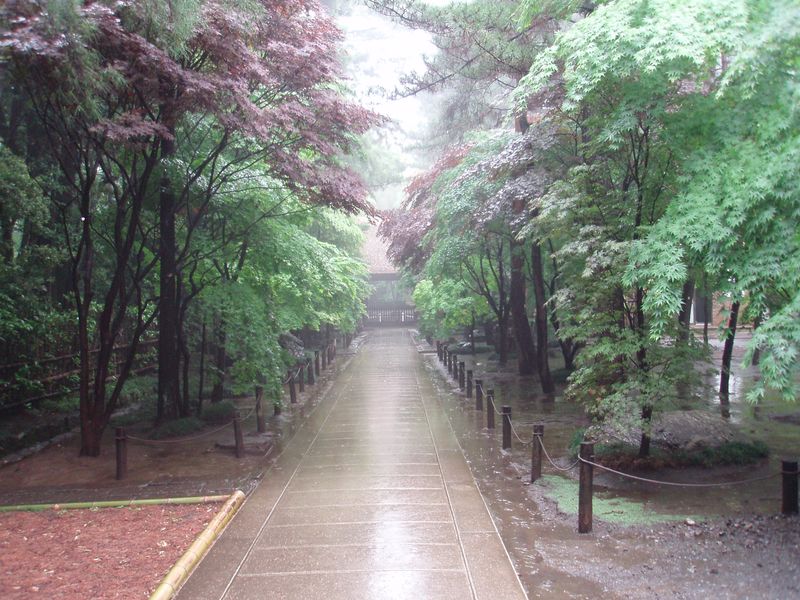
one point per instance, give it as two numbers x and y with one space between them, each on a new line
97 553
736 558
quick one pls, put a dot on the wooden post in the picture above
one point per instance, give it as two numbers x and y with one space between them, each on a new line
479 394
454 367
261 425
310 370
461 382
301 379
789 496
316 363
536 452
237 434
438 349
469 383
324 354
585 489
292 389
121 439
490 409
506 410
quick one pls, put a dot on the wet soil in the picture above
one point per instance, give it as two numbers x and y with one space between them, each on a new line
102 553
200 464
666 542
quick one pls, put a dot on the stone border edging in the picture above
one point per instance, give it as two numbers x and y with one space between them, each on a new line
180 571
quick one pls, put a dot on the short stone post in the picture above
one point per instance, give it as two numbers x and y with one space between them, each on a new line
506 412
469 383
490 409
789 487
461 382
438 349
324 355
585 488
121 439
479 394
316 363
261 425
237 434
536 452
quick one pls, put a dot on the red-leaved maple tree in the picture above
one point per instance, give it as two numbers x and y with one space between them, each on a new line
118 87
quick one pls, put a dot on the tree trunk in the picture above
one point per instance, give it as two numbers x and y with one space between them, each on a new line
502 339
727 355
202 374
168 367
218 391
644 444
684 332
526 351
542 364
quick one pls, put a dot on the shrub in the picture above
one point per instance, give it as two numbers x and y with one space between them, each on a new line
219 412
177 428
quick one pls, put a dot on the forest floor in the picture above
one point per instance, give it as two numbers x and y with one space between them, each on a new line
95 553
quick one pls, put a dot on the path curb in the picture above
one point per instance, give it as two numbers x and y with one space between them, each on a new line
180 570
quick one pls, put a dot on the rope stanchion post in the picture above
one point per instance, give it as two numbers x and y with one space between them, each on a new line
536 452
237 434
479 394
461 380
506 410
121 439
316 363
261 425
585 488
301 379
469 383
292 388
789 487
310 371
490 409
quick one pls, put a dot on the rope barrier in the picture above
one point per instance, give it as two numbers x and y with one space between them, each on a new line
516 435
678 484
550 460
534 438
191 437
291 377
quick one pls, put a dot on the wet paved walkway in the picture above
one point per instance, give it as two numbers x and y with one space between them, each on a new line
372 499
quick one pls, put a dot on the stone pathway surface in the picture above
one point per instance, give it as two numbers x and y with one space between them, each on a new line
371 500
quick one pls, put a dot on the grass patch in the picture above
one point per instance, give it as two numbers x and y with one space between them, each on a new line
218 413
564 492
177 428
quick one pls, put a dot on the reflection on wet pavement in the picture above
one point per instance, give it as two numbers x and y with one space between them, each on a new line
372 499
